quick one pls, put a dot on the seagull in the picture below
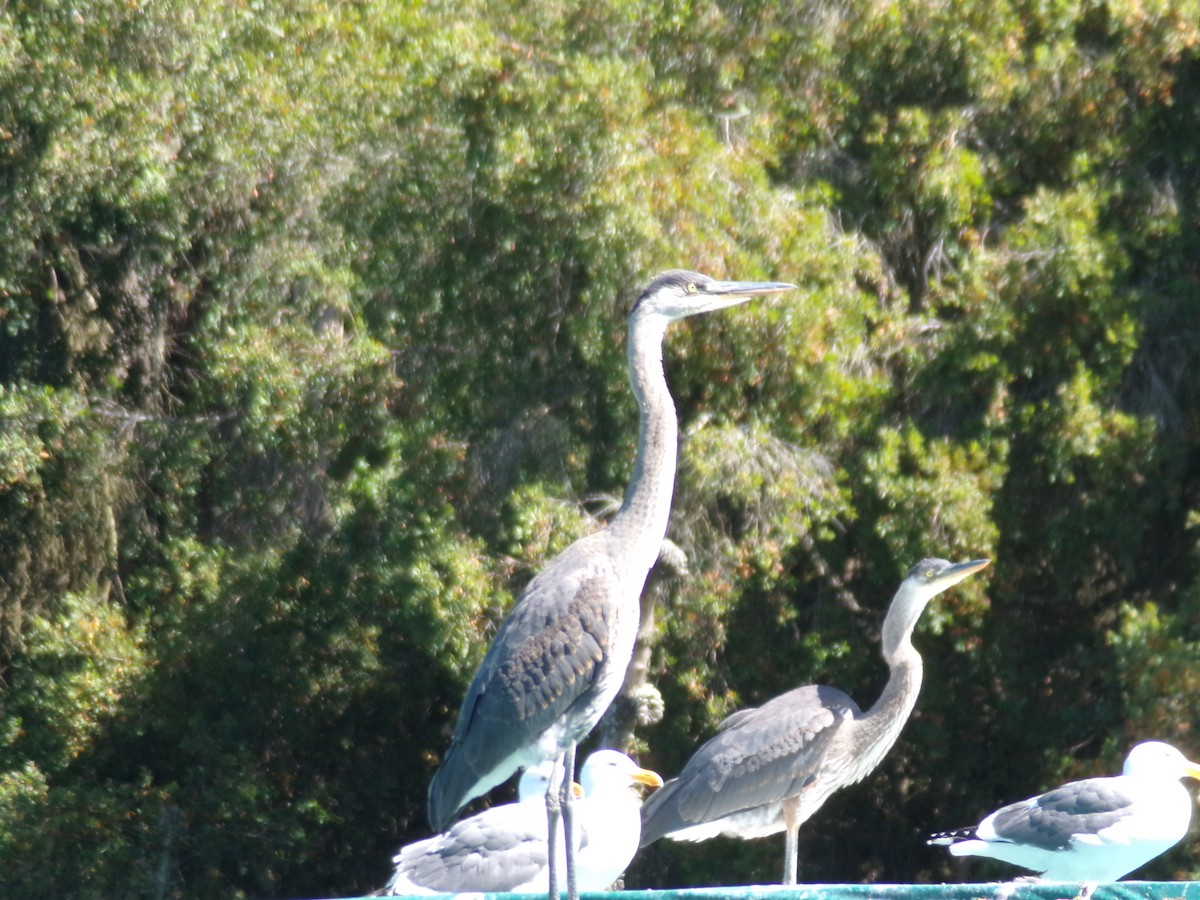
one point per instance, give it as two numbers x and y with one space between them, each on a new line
1095 830
503 849
610 817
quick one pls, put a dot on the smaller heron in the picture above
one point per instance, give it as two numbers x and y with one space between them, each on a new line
1095 830
504 848
769 769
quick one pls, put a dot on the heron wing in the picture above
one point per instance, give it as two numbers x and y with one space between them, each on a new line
544 658
542 666
1050 820
732 720
759 756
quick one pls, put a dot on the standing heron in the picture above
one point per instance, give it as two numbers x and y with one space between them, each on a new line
769 769
559 658
1095 830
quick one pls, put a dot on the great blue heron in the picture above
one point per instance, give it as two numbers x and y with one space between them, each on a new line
769 769
559 658
504 848
1095 830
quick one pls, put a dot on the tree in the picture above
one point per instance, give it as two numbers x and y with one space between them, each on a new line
311 352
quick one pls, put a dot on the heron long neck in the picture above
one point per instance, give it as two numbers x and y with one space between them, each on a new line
641 523
877 729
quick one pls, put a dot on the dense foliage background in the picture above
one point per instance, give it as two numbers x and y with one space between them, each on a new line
312 350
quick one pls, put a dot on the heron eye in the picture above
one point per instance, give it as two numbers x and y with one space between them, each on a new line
929 573
691 288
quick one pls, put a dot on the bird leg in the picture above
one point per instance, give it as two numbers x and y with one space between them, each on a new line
567 802
791 845
553 813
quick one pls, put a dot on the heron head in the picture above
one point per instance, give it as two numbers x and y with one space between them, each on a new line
679 293
932 576
924 581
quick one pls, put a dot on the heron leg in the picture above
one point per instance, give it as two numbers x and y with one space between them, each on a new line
791 846
791 854
553 814
568 816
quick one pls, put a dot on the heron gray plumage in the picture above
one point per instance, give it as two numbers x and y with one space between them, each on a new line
769 769
1094 830
559 658
504 848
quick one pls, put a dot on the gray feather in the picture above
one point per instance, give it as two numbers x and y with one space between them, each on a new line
540 667
1049 821
758 756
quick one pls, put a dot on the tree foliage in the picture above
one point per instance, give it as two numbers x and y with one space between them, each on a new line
311 353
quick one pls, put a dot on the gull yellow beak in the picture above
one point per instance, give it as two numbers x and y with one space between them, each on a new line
647 777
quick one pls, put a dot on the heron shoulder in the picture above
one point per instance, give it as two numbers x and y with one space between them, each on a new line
780 729
735 718
801 712
540 684
547 653
555 663
812 697
762 756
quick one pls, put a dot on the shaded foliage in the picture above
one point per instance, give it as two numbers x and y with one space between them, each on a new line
311 354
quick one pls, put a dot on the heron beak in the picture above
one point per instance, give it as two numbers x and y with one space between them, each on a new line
957 572
576 790
646 777
730 293
1191 770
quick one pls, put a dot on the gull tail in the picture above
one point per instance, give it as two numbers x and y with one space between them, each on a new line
953 836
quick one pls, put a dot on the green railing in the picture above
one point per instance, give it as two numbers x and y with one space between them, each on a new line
1119 890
